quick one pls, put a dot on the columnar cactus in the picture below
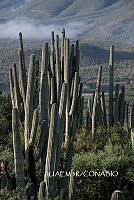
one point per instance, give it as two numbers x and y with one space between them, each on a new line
89 114
111 78
132 125
96 104
117 195
122 105
42 192
103 107
58 69
51 152
116 105
127 117
43 102
22 71
72 187
19 166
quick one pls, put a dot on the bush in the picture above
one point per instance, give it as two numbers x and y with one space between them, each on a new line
118 158
111 151
114 135
9 195
5 114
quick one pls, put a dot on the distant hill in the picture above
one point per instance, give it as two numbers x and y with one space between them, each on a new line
11 3
91 58
110 21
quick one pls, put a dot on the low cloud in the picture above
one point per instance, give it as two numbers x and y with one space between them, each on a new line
31 29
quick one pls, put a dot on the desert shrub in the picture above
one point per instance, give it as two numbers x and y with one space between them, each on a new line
5 114
10 195
110 152
114 135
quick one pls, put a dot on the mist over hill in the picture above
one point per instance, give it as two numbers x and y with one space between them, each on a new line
89 20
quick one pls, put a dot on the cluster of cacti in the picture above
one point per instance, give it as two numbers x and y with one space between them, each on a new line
48 108
46 99
97 114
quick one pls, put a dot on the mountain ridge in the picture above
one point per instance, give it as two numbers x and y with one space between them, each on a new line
103 20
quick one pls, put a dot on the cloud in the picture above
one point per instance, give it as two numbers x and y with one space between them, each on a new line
31 29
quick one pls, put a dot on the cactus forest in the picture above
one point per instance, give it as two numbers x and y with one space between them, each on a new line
62 144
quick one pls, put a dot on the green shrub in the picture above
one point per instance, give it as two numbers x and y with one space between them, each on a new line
5 114
114 135
118 158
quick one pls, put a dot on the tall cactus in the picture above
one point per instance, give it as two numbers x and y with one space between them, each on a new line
75 94
29 102
89 113
117 195
103 107
116 105
42 188
19 165
17 95
132 125
61 124
51 152
62 55
96 103
111 79
22 69
71 187
122 105
66 79
11 80
58 68
127 117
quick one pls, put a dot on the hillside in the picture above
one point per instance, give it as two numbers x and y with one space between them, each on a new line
99 21
56 8
91 57
11 3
